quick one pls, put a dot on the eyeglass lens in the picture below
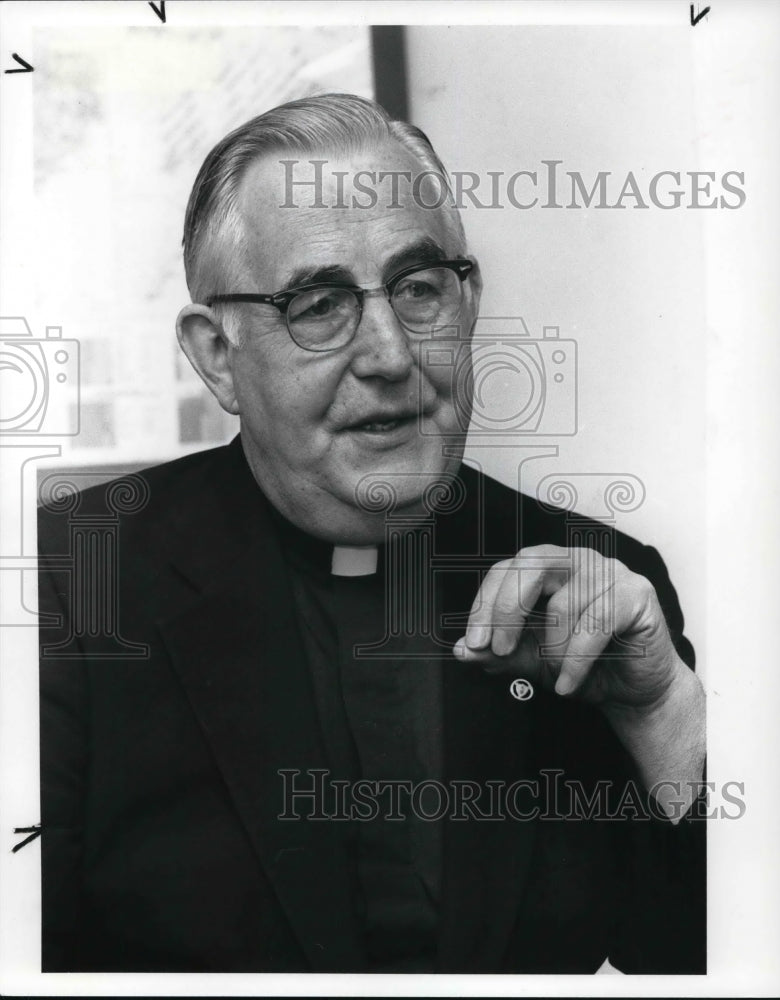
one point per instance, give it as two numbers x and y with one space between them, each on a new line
324 318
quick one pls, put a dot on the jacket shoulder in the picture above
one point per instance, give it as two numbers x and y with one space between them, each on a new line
513 515
147 499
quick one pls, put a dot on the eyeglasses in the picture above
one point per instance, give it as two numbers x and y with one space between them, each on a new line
326 315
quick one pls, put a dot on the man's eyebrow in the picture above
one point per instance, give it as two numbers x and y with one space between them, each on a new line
422 251
319 273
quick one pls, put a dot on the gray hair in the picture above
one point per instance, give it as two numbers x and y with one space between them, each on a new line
343 123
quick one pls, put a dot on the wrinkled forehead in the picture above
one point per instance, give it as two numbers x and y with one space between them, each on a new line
355 211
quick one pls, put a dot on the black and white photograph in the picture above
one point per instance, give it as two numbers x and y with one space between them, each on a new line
388 450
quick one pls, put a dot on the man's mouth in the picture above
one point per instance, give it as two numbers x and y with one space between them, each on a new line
385 420
383 426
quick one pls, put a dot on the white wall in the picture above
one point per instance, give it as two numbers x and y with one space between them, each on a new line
628 285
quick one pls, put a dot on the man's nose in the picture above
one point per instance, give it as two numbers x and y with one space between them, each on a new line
382 347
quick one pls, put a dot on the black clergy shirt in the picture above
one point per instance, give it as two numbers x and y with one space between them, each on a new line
380 712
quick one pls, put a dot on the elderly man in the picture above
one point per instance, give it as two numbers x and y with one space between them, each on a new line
317 763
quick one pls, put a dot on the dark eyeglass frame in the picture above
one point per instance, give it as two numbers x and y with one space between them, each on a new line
461 266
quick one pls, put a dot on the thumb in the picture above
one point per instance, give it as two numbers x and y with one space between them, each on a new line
525 661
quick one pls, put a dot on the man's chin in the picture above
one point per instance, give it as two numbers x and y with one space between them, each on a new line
402 481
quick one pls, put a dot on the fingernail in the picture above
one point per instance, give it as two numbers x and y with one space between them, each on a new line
477 636
564 685
459 649
503 642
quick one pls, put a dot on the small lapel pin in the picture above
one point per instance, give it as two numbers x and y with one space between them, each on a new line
521 689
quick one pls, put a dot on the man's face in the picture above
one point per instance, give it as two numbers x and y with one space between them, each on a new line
314 425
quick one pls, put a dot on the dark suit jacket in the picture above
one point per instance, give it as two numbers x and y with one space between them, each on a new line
162 849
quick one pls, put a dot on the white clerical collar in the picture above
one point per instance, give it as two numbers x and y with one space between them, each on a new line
350 560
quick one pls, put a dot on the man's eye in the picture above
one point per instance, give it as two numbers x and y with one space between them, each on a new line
415 289
321 307
312 306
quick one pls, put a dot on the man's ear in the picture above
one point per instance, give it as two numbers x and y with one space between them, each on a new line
209 351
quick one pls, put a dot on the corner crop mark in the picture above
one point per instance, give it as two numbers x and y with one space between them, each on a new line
160 11
26 67
34 831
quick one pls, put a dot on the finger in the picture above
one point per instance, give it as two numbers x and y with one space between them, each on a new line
569 577
588 641
592 575
558 626
535 573
525 660
517 596
520 581
612 612
479 629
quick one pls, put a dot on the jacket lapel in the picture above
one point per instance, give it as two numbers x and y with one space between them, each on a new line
485 860
235 647
487 736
